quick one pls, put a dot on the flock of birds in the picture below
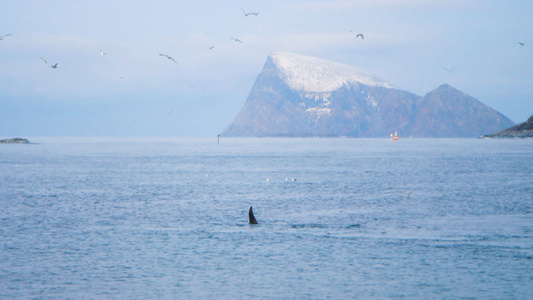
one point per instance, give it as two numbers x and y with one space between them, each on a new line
102 53
246 14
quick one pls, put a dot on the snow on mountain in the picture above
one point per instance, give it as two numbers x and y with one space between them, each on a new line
297 95
310 74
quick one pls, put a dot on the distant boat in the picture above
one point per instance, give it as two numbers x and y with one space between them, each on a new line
395 136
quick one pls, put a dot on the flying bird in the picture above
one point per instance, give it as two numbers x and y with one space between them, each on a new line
250 13
360 35
449 70
102 52
237 40
54 66
172 59
3 36
211 48
44 59
520 43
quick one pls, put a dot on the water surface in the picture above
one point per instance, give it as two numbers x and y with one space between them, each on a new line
339 218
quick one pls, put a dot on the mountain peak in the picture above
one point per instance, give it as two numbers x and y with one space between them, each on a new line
310 74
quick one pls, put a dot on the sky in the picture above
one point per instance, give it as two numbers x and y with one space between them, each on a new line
132 91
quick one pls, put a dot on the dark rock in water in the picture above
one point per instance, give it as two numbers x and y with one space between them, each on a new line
301 96
522 130
14 141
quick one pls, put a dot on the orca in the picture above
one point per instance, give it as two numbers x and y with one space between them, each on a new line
251 216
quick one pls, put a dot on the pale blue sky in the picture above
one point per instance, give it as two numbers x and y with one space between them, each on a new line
132 91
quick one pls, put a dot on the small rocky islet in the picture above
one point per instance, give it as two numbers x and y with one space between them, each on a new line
14 141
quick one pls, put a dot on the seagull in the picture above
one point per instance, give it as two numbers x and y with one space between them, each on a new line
44 59
237 40
360 35
54 66
2 37
250 13
172 59
520 43
211 48
449 70
102 52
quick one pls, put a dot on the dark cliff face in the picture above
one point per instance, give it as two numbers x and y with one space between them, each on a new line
357 110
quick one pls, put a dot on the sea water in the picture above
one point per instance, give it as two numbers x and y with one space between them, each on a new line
338 219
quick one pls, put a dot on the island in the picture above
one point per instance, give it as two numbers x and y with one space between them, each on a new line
301 96
522 130
14 141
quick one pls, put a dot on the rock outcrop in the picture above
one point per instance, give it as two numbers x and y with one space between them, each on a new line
522 130
14 141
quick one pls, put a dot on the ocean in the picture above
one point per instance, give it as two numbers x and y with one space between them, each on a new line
156 218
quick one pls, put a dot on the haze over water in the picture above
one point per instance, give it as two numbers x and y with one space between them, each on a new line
363 218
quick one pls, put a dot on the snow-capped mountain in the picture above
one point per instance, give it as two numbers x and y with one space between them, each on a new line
297 95
309 74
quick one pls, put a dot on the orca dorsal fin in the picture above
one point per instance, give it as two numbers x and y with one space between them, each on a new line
251 216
